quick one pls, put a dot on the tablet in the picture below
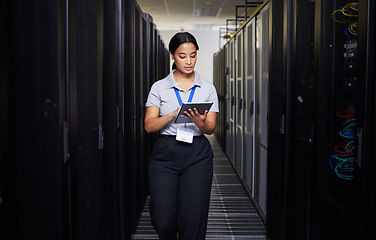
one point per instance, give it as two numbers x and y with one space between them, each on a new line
200 106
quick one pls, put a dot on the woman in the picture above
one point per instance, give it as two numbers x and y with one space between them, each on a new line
180 173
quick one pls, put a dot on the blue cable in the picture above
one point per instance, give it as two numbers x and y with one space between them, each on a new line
344 167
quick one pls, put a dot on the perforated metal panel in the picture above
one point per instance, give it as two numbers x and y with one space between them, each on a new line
86 160
35 167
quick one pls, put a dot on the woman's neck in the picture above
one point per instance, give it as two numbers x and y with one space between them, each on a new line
184 81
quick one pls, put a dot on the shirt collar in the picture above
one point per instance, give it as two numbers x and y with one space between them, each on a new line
172 84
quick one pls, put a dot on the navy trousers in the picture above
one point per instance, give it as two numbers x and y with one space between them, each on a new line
180 178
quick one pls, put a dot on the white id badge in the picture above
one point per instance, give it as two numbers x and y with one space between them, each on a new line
185 135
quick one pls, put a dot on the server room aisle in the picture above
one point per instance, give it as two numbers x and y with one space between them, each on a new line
231 213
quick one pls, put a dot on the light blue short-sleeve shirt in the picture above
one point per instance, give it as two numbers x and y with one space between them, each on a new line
162 95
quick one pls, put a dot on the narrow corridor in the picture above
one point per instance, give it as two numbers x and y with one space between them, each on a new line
231 214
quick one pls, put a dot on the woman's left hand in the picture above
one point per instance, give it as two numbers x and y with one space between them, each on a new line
197 118
205 122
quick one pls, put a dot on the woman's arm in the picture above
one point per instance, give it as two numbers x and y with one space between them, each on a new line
153 122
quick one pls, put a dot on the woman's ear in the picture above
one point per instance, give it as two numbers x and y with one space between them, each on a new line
172 56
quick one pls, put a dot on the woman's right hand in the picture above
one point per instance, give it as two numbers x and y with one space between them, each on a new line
175 113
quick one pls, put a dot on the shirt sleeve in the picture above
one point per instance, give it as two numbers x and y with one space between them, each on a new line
154 98
213 97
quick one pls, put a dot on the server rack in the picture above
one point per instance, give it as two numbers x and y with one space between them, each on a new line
140 143
319 101
85 119
262 108
219 83
117 207
232 102
292 114
300 112
246 77
249 104
228 142
322 118
239 96
366 114
69 82
127 115
34 85
277 190
138 175
5 146
338 190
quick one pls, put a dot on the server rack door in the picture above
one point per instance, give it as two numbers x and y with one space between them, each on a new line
33 78
336 70
217 81
158 70
5 142
261 106
154 58
366 110
223 86
223 97
228 100
145 142
112 123
137 83
249 96
148 81
275 219
300 114
86 159
239 93
152 67
231 136
127 116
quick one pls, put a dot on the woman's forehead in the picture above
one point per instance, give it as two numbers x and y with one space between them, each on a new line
186 48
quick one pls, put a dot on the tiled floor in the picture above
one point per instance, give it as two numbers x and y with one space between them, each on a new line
231 213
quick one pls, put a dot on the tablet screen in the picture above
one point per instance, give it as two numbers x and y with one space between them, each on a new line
200 106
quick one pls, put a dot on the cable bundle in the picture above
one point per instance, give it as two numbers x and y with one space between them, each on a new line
349 16
343 161
343 165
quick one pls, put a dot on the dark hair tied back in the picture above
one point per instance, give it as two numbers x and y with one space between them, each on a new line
178 39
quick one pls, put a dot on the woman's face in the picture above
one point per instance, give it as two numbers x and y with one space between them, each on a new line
185 57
